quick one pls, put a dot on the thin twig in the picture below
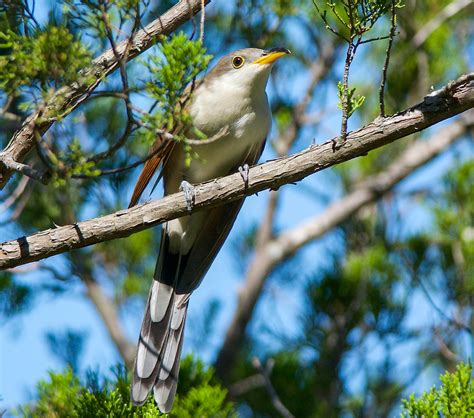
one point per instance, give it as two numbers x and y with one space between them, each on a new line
119 169
323 16
416 278
393 28
122 60
344 102
19 207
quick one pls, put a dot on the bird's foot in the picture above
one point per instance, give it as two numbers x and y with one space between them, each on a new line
189 194
244 172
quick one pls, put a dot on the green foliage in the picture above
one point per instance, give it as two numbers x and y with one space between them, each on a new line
203 401
49 57
70 162
454 398
179 62
64 395
353 102
353 18
55 396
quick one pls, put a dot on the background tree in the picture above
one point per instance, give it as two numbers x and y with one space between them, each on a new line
356 285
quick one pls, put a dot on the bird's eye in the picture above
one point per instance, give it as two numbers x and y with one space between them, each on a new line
238 61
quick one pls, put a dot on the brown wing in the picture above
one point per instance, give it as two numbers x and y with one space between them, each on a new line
160 152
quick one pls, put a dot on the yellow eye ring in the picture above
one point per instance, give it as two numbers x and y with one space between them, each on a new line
238 61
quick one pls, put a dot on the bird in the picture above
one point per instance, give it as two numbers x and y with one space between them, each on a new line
229 105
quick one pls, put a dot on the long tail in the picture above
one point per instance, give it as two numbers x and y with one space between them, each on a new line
159 346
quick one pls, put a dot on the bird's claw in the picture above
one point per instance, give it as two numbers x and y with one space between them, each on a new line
244 172
189 194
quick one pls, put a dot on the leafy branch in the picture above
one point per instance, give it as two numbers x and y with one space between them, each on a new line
352 20
67 98
52 56
455 397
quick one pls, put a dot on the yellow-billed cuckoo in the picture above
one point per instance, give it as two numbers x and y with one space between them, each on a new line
229 105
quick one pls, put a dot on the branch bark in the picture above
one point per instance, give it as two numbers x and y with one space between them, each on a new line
68 98
456 97
287 243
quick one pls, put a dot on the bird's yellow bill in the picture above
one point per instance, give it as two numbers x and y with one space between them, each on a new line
270 58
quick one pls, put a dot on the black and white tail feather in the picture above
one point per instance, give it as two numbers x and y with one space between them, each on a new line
159 348
161 339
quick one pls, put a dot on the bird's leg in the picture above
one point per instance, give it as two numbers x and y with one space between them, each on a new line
189 194
244 172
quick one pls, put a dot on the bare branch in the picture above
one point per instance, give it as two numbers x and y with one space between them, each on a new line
287 243
456 97
68 98
265 373
351 49
393 28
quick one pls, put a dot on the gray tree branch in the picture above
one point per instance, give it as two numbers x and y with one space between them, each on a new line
454 98
287 243
68 98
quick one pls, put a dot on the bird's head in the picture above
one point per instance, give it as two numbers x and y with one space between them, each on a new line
249 67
